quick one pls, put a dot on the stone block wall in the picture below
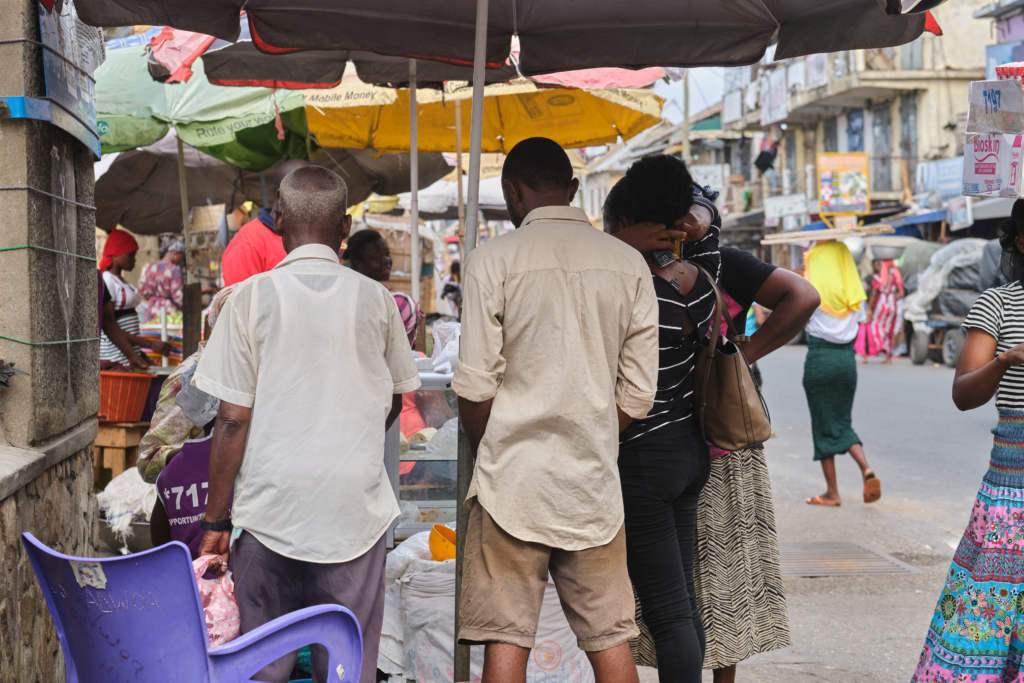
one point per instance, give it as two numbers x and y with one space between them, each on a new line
59 509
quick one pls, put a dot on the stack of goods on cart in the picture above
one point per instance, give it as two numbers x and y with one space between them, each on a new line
945 292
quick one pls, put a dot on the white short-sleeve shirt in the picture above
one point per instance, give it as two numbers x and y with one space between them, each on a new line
317 351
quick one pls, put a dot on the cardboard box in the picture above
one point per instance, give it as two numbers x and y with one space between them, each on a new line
995 107
992 165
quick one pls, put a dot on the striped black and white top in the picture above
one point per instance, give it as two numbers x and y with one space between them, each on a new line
672 415
1000 312
125 298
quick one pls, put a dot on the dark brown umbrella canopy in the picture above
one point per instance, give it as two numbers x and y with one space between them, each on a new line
140 189
555 35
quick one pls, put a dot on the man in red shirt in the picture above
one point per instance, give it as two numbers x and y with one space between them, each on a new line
257 248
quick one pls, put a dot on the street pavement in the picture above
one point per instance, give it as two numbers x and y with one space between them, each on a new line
930 458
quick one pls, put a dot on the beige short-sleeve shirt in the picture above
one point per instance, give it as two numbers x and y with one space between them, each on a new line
317 351
559 325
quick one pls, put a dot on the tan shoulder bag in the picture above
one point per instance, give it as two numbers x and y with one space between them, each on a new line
730 409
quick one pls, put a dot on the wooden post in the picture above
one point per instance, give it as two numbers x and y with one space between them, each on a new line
192 295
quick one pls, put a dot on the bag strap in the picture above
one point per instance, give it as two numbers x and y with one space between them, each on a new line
712 348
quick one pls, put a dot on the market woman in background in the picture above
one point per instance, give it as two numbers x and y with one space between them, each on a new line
883 324
118 256
974 633
830 367
161 281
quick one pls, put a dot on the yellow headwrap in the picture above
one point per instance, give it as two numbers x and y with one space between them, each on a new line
831 269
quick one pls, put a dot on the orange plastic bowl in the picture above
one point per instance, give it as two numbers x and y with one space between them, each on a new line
442 543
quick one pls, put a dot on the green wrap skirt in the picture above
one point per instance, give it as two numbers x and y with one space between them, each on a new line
830 382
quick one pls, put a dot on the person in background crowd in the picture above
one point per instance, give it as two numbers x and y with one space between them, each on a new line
559 352
170 427
451 291
737 572
257 247
182 484
118 256
755 318
161 282
663 460
974 633
108 326
883 323
368 254
300 355
830 367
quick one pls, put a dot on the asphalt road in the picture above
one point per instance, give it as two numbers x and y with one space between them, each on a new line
930 458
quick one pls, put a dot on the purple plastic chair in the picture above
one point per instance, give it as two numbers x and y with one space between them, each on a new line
140 618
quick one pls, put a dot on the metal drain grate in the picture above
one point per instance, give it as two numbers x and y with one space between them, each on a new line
838 559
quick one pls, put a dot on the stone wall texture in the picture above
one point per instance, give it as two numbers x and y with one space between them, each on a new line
59 509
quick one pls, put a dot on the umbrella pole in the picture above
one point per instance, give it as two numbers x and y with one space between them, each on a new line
465 471
192 294
458 168
414 180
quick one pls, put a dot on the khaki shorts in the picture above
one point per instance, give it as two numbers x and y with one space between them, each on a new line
504 579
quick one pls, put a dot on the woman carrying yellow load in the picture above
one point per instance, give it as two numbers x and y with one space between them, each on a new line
830 368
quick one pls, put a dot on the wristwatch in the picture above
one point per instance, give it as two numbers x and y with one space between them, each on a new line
220 525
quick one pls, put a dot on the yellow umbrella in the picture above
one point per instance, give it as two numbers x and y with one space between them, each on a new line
358 115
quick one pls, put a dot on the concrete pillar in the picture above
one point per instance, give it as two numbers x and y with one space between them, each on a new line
44 296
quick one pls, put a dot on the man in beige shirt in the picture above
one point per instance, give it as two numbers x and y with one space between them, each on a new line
309 360
559 352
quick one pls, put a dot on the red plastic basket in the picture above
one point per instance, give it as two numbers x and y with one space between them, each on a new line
123 396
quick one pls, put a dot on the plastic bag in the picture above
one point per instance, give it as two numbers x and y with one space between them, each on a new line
446 347
446 440
219 603
126 496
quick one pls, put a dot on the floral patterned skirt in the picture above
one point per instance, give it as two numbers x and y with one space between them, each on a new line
977 631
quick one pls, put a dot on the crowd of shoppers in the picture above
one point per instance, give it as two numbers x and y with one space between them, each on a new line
575 387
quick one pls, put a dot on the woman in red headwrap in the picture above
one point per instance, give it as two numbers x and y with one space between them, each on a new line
118 256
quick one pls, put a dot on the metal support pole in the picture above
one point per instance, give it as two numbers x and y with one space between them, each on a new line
263 189
458 168
414 180
465 470
686 119
192 294
476 126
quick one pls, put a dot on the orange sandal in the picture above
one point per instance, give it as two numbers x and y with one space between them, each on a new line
818 500
872 487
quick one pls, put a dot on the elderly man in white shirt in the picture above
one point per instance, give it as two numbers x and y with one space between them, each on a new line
310 361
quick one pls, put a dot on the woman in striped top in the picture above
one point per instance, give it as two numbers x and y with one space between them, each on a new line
976 632
663 461
119 255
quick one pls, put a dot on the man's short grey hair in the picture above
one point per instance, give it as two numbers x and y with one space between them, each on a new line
313 196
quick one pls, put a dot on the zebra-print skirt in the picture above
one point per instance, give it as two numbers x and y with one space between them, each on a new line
737 574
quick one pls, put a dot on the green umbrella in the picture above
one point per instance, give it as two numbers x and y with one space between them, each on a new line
236 125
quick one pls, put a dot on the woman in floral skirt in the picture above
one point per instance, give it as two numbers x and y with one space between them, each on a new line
977 630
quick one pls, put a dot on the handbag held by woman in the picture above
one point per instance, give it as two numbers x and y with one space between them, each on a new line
731 412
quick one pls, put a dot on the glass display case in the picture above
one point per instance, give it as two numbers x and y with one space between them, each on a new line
421 456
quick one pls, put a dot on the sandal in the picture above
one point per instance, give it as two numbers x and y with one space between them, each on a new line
818 500
872 487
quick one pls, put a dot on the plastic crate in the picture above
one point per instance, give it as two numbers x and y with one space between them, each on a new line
123 396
